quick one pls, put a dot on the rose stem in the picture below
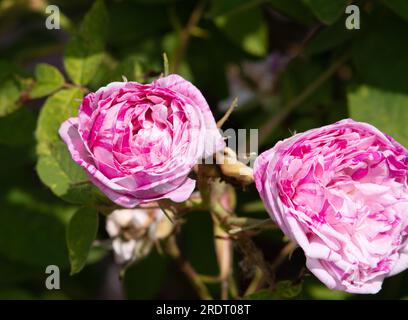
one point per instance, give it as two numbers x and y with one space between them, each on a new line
210 193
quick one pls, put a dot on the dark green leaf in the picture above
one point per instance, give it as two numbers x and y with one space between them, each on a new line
329 38
400 7
246 29
81 233
22 119
294 9
380 56
327 11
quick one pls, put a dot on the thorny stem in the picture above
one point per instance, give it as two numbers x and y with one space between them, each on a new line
211 195
256 257
185 34
173 251
255 283
269 126
286 251
277 262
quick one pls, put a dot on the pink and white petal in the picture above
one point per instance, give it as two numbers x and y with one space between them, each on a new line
402 262
183 192
121 199
187 89
69 133
322 274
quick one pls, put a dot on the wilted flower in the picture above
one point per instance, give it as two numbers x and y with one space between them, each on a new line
134 231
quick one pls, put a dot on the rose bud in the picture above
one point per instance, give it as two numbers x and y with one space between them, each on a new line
134 231
138 143
341 193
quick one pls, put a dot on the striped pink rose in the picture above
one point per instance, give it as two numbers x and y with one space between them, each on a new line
138 143
341 193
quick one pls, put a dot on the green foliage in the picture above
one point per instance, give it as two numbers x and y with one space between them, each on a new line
64 177
49 79
386 110
9 96
400 7
84 52
40 240
23 119
145 279
81 233
51 216
57 108
251 36
385 68
329 38
284 290
327 11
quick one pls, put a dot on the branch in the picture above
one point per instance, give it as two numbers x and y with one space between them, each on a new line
185 266
185 34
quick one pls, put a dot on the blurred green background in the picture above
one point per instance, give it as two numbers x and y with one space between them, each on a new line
292 63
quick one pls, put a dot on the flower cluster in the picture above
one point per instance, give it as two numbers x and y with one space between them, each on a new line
340 191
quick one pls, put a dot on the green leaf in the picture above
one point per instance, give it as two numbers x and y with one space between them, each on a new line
327 11
226 7
65 178
84 52
388 111
329 38
57 108
246 29
400 7
55 166
82 60
22 119
49 79
296 10
96 22
9 96
380 56
81 233
284 290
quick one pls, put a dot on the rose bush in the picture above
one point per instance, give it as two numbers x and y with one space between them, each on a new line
340 192
138 143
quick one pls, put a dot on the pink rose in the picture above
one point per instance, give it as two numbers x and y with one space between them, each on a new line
138 143
341 193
